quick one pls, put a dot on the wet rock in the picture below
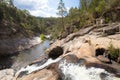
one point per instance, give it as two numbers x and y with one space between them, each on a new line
103 59
70 58
55 67
43 74
40 61
82 61
103 76
108 68
55 52
7 74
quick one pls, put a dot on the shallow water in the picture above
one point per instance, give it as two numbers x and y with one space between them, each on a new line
27 56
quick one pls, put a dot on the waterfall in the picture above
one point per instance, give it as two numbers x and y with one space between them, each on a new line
72 71
31 68
76 72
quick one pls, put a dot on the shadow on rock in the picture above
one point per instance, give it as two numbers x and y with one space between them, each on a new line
6 62
55 52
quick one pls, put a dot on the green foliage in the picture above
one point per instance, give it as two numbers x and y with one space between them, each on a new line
20 20
42 37
114 52
73 15
7 2
62 11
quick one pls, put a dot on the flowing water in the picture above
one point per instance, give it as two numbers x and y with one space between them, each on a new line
77 72
27 56
31 68
71 71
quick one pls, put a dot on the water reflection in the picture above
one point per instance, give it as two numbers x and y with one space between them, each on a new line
27 56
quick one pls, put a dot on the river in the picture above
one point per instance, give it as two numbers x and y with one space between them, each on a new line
24 57
71 71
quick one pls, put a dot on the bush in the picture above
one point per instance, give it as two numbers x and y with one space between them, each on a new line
114 52
42 37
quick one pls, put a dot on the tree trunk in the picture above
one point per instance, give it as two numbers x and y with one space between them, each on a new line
63 23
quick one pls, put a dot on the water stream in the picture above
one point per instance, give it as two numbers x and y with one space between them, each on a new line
27 56
73 71
77 72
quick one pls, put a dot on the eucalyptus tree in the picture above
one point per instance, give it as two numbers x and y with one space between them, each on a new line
62 11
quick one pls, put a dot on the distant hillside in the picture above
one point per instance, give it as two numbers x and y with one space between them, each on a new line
15 23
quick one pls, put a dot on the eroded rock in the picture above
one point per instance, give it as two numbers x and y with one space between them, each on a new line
70 58
108 68
7 74
43 74
55 52
103 59
111 30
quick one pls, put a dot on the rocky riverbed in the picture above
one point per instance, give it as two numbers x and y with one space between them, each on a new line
79 56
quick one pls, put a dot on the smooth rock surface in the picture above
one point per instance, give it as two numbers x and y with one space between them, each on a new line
7 74
43 74
14 45
103 59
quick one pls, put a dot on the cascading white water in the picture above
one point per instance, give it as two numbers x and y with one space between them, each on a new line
34 67
77 72
73 71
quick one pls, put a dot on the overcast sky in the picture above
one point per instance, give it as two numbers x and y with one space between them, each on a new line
44 8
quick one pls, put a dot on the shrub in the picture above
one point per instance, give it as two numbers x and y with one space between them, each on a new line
114 52
42 37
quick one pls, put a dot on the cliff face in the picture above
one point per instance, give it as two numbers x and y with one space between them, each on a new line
11 46
17 29
15 23
14 38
